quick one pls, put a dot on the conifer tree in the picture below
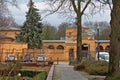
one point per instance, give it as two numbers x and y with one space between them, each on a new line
31 31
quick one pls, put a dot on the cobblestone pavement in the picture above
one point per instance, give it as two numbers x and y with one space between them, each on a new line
65 72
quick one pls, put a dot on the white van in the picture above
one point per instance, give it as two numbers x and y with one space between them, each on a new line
103 56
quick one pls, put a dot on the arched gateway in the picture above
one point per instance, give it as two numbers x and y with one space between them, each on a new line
71 55
85 48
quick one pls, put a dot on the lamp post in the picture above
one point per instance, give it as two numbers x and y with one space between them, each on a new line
98 43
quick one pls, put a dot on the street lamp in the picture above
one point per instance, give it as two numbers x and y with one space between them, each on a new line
98 43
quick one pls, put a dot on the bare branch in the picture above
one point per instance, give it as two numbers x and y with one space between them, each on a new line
110 6
58 7
106 2
103 1
74 6
79 6
85 6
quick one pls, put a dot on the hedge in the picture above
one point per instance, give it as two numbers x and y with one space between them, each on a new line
93 68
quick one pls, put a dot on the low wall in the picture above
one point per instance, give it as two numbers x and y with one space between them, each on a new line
11 48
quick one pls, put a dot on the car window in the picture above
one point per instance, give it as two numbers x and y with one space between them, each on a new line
10 57
41 57
27 56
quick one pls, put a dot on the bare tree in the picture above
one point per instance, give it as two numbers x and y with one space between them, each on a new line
49 32
72 7
104 29
6 18
104 34
61 30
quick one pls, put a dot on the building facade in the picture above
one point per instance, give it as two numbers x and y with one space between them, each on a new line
62 50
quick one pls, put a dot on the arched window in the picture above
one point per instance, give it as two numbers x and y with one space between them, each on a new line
107 48
99 48
60 47
51 47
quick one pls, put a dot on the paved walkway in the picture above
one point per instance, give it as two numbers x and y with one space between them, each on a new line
65 72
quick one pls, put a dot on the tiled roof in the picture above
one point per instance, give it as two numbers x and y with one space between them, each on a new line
102 41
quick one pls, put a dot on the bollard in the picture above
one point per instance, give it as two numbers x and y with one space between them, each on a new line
57 60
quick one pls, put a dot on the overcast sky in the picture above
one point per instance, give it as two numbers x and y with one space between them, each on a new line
54 19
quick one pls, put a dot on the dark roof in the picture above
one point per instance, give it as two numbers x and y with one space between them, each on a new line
9 28
62 41
102 41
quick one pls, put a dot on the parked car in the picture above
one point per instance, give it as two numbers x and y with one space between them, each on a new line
10 57
40 57
103 56
27 58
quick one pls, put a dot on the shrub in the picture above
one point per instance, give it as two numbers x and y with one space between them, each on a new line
115 76
86 63
29 73
79 67
10 69
93 68
82 65
50 62
40 76
98 68
73 62
35 75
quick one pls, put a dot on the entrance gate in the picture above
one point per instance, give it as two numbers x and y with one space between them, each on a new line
71 56
85 50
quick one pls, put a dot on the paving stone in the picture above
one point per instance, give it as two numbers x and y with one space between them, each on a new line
65 72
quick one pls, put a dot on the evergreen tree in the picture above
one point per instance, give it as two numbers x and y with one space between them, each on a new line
31 31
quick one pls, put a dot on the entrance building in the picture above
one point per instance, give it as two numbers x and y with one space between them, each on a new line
63 50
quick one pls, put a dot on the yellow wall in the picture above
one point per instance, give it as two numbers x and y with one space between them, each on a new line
9 33
54 54
11 48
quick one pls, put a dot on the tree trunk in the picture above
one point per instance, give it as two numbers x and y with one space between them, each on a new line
114 64
79 13
79 38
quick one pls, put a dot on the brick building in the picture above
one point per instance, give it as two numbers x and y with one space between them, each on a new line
57 49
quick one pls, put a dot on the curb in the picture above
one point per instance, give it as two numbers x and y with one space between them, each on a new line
92 77
50 74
